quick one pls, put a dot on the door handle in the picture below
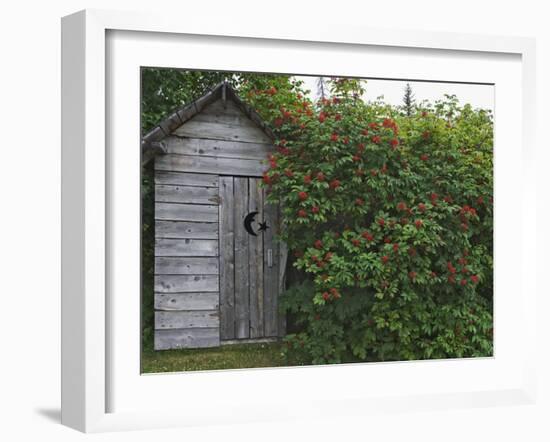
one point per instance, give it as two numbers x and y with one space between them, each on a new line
270 257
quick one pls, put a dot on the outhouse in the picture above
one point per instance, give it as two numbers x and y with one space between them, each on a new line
218 268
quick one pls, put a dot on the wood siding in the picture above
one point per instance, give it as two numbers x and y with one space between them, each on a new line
186 282
211 165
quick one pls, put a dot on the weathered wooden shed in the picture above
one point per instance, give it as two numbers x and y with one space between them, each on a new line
218 268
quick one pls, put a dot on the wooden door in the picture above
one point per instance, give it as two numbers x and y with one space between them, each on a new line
249 261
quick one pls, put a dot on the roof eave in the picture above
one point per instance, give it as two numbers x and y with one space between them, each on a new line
188 111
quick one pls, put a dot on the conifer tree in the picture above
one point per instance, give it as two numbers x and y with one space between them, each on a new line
408 100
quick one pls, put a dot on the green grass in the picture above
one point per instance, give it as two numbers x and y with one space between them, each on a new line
218 358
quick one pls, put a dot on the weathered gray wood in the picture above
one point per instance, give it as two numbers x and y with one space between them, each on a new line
242 267
190 319
151 149
194 107
187 338
186 212
186 247
186 266
158 147
187 113
186 283
170 123
230 118
220 166
256 261
227 259
248 133
222 109
271 274
156 134
218 148
146 156
250 112
283 256
219 106
208 98
186 229
187 301
185 178
231 114
186 194
224 92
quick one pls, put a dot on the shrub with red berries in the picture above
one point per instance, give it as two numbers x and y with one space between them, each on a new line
393 217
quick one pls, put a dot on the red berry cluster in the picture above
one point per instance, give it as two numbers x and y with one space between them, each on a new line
388 123
465 214
331 294
367 236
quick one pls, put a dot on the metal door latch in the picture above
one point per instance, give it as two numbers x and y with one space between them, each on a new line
270 257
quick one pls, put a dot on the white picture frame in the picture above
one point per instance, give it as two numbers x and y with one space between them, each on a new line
89 319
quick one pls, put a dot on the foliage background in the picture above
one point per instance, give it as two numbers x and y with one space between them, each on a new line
387 211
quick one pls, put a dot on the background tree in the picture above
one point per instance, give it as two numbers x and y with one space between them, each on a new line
322 88
408 100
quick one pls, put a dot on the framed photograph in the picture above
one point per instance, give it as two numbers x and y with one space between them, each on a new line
249 215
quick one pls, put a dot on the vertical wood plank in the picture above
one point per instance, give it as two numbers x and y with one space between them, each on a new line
242 319
283 256
256 261
227 260
271 273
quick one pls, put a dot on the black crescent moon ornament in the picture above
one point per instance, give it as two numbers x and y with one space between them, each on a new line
248 223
